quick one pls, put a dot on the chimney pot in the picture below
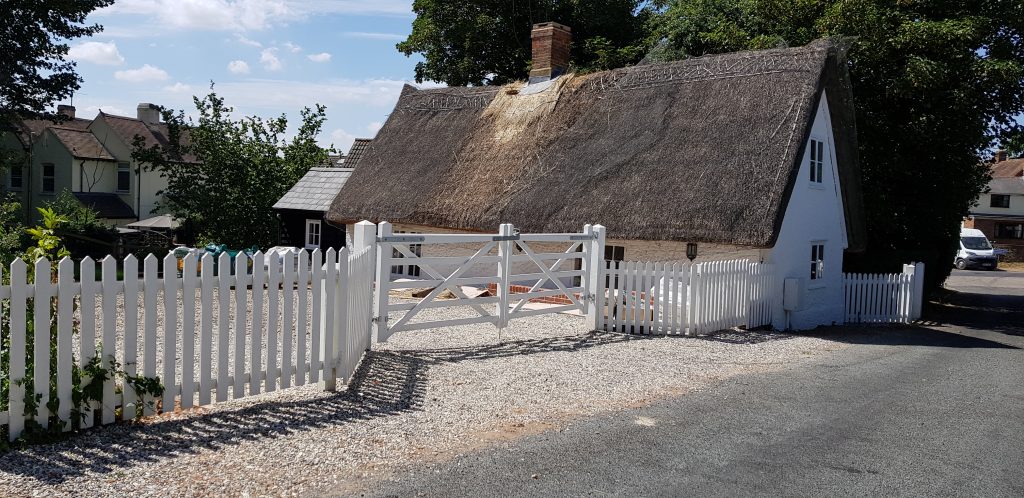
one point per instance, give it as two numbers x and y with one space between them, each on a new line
550 42
148 113
66 110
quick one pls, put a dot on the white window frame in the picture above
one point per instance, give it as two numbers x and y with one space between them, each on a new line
817 274
52 177
21 178
126 168
310 234
816 154
406 270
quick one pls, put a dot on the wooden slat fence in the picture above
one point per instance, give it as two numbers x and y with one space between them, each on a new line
884 298
298 318
685 298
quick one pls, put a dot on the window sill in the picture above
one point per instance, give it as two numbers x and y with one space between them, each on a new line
816 186
816 285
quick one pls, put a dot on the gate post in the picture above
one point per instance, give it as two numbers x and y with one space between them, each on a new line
594 285
364 237
380 296
505 232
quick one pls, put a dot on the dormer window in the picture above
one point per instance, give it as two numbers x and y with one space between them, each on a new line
817 161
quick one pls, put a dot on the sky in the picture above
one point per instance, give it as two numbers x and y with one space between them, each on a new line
266 57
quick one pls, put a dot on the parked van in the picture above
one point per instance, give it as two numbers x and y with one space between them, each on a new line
975 251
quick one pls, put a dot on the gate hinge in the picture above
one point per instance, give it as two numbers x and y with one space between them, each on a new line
377 319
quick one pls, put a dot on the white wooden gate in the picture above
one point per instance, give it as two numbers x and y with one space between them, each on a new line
517 268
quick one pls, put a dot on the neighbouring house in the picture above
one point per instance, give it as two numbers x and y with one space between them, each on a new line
303 208
999 213
89 158
355 152
749 154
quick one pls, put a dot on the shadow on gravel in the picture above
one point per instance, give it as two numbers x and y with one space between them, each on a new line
386 383
905 336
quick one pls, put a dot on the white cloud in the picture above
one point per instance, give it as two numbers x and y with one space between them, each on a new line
269 59
374 127
97 53
273 94
321 57
238 67
293 48
178 87
142 74
374 36
246 41
239 15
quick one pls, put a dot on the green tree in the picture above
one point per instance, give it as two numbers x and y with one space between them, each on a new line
935 85
475 42
35 73
224 175
34 70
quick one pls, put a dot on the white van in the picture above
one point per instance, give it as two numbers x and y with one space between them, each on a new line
975 251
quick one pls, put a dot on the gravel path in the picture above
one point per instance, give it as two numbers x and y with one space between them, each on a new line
423 396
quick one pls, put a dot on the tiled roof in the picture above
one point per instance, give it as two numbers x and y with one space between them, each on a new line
30 129
356 151
152 134
1008 168
316 190
82 144
106 205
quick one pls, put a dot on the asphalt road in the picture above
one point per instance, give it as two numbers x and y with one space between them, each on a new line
936 411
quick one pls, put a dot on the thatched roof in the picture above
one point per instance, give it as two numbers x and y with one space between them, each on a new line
355 153
705 149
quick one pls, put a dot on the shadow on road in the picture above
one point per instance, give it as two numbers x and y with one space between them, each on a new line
906 336
998 313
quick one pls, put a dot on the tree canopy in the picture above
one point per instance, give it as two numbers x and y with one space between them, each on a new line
475 42
225 174
935 84
33 71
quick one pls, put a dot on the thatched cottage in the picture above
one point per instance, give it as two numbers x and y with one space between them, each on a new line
749 154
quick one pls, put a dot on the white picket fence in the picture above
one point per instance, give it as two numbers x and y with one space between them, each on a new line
884 298
684 298
302 318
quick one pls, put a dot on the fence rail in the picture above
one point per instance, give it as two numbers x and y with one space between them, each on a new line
684 298
298 318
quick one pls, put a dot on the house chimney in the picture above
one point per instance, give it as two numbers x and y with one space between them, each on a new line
66 110
1000 155
148 113
550 51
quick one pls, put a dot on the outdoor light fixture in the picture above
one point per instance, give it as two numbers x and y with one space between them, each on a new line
691 251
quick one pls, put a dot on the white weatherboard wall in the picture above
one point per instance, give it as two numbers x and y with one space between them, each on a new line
814 214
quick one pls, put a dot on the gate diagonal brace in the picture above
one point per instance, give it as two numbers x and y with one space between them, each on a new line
548 275
446 285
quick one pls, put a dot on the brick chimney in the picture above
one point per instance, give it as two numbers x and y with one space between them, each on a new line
1000 156
550 51
66 110
148 113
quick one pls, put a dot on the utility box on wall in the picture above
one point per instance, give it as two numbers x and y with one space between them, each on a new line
793 294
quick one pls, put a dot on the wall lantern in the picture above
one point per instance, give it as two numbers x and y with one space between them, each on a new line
691 251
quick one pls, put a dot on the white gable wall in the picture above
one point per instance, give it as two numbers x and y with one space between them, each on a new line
814 215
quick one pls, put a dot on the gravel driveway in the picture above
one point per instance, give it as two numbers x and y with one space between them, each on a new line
423 396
